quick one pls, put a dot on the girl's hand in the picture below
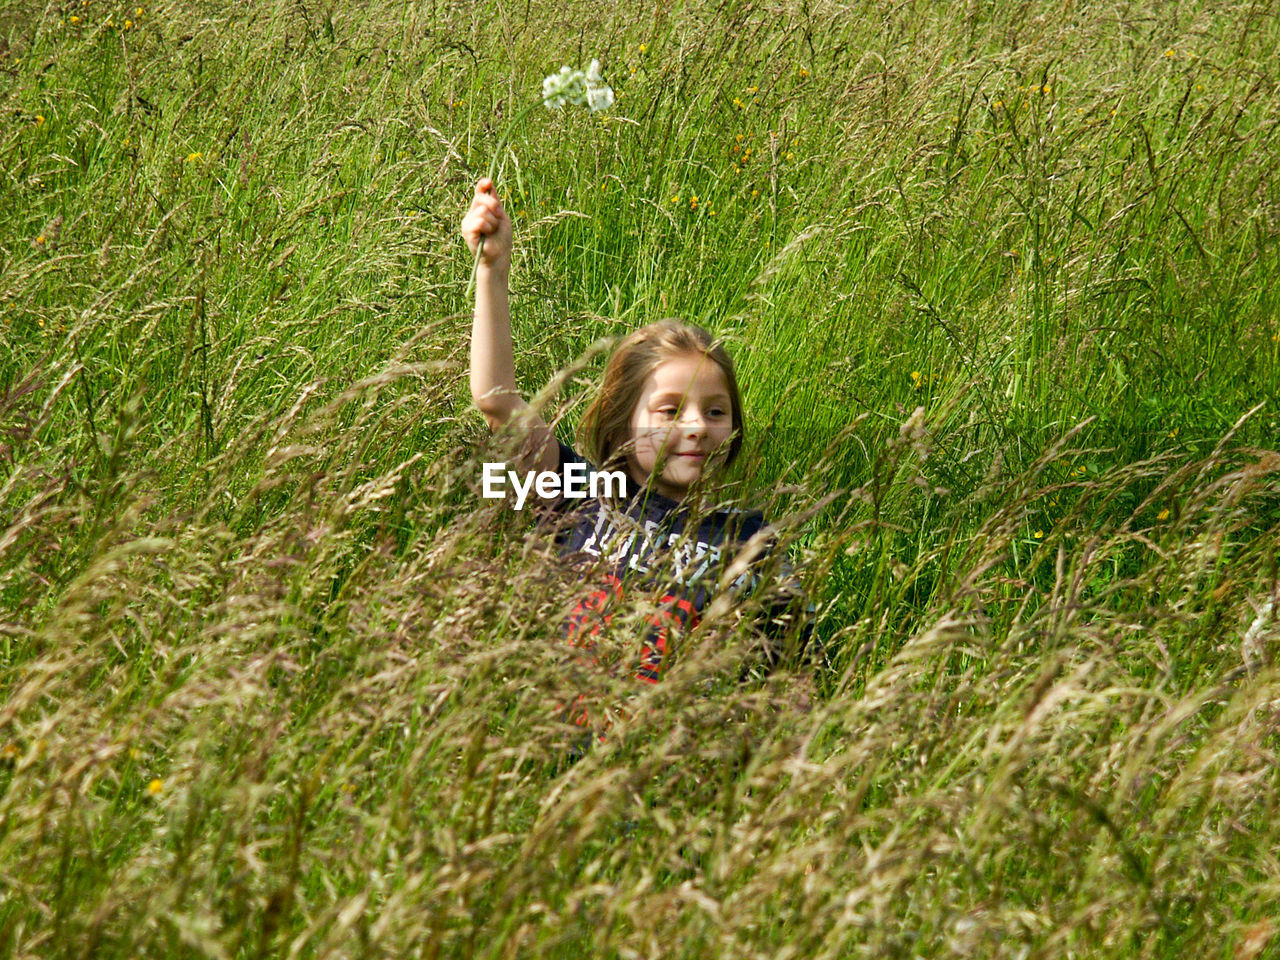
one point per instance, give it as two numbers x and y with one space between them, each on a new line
486 219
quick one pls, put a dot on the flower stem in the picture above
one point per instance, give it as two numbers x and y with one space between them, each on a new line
493 163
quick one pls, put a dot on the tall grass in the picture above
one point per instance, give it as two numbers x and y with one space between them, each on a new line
999 280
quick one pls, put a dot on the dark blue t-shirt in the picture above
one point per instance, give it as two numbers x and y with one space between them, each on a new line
655 542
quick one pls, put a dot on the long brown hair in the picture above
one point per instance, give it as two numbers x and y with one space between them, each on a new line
606 423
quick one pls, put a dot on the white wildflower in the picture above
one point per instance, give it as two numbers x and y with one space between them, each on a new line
577 88
599 93
567 86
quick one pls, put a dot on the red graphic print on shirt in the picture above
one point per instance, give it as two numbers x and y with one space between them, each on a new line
594 612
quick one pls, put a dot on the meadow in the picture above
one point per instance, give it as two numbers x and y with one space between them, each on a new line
1000 281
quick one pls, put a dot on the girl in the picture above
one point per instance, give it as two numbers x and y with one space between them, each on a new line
668 415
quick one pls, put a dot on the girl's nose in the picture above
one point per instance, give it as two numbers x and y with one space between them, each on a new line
693 423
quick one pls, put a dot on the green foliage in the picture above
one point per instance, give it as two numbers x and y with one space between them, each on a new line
999 282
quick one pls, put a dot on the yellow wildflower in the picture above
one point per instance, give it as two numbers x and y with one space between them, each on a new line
138 12
790 155
40 239
1163 514
803 72
755 193
74 18
738 103
1038 534
155 786
644 47
128 24
916 378
1046 89
675 199
1170 53
193 157
998 104
10 751
39 120
753 89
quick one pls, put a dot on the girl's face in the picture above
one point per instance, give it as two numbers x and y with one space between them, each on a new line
681 424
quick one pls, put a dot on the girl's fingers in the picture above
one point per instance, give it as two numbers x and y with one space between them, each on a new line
486 193
487 205
479 224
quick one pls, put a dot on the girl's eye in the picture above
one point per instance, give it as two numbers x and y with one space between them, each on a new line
667 413
716 412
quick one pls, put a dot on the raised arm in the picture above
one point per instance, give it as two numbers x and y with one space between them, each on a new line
493 371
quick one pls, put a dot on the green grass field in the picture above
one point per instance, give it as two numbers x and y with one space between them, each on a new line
1001 283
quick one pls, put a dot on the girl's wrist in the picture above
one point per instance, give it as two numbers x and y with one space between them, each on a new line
501 269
